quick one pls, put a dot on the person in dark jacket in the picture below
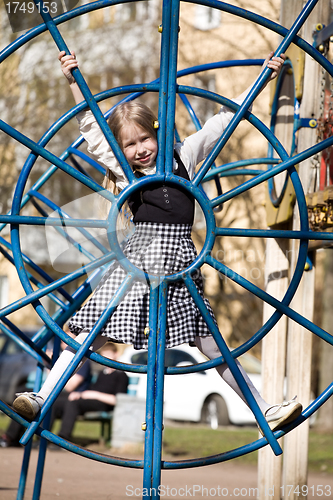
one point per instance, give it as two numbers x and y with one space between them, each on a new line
100 396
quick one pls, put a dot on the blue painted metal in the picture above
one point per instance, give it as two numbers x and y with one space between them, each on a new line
151 388
163 90
167 88
173 28
160 359
322 36
306 123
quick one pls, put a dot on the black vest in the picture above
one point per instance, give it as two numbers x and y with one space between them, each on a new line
162 203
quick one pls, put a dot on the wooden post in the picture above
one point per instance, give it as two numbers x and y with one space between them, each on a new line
299 339
276 280
273 361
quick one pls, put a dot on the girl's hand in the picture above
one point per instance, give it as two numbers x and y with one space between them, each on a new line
274 63
68 63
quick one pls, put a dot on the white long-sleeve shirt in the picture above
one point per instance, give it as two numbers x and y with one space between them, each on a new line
192 150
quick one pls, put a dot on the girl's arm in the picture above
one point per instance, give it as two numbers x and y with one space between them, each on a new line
197 147
274 63
98 146
68 63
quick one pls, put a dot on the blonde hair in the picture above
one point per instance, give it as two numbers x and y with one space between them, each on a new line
132 112
126 113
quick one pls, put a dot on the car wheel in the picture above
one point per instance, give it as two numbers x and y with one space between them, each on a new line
215 412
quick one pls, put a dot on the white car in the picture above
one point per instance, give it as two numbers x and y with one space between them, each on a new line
196 397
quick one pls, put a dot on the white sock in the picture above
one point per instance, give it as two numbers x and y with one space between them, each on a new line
63 361
209 348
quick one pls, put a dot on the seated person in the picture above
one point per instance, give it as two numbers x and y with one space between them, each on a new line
101 395
78 382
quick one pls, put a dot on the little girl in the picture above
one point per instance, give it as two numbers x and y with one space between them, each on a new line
162 244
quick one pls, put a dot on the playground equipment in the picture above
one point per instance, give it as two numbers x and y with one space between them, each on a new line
67 304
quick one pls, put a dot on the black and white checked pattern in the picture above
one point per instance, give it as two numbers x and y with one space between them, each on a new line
157 249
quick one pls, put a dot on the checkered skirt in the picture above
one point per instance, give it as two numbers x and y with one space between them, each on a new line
157 249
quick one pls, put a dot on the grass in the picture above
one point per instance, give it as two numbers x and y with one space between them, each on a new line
198 441
193 441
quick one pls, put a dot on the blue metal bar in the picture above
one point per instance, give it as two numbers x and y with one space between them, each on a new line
24 472
163 90
47 420
51 221
219 65
160 362
274 233
229 167
72 151
172 87
27 449
151 389
241 171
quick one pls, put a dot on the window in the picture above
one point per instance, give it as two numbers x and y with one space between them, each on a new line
126 12
137 11
206 18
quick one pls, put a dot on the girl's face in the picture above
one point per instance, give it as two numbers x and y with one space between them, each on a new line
140 149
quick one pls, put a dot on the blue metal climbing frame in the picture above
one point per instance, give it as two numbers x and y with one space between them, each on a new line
167 88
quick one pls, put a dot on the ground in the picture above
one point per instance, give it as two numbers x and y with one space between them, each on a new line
72 477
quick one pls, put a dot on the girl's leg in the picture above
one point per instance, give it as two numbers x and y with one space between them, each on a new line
28 404
63 361
277 415
209 348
